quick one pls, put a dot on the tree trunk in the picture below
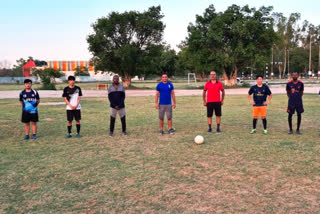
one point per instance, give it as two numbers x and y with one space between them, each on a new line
126 80
285 61
202 77
280 70
231 80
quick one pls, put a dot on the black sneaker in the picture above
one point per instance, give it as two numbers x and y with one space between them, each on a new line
218 131
161 132
171 131
111 134
298 132
210 130
290 132
124 133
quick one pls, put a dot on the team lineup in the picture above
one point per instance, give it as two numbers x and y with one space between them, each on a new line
213 96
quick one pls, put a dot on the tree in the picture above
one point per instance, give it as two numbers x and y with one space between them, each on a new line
122 42
168 60
288 33
47 77
231 40
81 71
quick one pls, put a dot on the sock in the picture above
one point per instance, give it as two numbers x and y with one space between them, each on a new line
78 128
123 123
298 122
264 121
112 122
290 121
209 126
218 126
69 129
254 123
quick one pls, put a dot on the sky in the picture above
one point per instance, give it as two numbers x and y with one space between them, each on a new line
57 29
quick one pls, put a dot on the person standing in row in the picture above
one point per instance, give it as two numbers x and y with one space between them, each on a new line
259 103
72 96
165 91
212 99
116 96
295 90
29 99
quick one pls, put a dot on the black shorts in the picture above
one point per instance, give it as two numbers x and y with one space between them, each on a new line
27 117
216 106
293 109
76 114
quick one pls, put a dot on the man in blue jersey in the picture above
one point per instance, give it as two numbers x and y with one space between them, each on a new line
29 100
165 90
295 90
260 93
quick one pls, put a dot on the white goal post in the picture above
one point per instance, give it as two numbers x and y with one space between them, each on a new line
190 75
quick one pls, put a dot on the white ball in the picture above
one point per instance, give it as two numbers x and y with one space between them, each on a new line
198 139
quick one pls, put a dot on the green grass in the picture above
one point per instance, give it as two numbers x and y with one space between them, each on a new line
234 172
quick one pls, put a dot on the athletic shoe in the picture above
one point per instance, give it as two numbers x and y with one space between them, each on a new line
26 137
298 132
124 133
210 130
265 131
253 131
69 135
171 131
161 132
34 136
78 135
290 132
218 131
111 134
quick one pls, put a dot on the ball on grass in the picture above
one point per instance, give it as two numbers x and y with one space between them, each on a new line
198 139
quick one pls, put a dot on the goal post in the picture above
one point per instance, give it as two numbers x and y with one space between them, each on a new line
190 76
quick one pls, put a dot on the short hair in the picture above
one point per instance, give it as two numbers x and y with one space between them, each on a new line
164 74
71 78
115 76
259 76
27 81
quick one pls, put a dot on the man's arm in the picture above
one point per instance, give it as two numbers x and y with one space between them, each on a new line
268 101
157 99
223 93
204 98
78 102
67 102
250 99
173 99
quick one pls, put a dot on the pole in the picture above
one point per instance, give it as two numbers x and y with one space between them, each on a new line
267 73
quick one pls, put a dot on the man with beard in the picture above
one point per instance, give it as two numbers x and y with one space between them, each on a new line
116 96
295 92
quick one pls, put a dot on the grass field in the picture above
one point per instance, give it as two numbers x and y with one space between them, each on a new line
234 172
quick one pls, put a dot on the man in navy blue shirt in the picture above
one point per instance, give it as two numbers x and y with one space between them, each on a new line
295 90
29 99
165 90
259 103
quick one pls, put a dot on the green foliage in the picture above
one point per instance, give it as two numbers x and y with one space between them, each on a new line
231 40
81 71
47 76
125 43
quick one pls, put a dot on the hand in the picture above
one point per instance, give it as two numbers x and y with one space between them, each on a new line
173 106
221 102
117 107
157 106
252 102
204 103
265 103
74 107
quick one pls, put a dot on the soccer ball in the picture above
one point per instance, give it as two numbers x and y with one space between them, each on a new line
198 139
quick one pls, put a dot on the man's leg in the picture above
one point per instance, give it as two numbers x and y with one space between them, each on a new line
78 118
217 109
78 126
209 116
298 123
27 128
218 120
34 130
290 123
161 118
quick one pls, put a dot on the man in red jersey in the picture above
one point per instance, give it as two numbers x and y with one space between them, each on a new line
213 101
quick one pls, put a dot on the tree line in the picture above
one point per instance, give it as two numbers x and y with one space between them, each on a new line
237 41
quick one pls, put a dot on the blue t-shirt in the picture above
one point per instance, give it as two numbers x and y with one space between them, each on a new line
259 94
29 100
295 90
165 92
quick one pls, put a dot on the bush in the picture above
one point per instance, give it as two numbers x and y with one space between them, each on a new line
49 86
245 84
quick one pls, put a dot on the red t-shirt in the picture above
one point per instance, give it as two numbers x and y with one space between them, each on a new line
213 91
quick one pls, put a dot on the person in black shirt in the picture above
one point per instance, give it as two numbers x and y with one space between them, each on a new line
116 96
259 102
72 95
29 99
295 90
